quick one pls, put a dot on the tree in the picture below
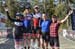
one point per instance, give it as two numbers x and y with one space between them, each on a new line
1 8
12 10
72 1
46 6
14 6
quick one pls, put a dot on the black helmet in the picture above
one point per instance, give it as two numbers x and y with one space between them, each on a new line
27 7
19 15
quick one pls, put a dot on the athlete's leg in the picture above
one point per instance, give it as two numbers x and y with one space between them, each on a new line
51 42
24 39
18 42
46 44
29 40
56 40
29 36
34 35
39 38
43 41
47 40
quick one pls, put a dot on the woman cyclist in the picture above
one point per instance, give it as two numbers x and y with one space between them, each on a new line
18 24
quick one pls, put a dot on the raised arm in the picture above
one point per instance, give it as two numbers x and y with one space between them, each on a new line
70 12
11 19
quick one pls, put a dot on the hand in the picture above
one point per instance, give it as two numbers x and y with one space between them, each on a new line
70 12
6 9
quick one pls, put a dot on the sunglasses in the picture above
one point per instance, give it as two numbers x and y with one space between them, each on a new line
36 8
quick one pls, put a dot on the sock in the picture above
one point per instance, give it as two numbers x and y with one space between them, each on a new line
25 47
28 47
16 47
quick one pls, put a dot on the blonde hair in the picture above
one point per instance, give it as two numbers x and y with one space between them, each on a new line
24 12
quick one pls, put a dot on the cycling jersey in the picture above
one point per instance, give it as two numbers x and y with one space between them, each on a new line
45 25
28 23
28 20
18 27
36 18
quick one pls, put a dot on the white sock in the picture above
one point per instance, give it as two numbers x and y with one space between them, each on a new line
16 47
19 47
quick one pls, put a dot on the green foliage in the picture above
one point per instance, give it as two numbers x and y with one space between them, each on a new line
72 1
1 8
34 2
46 6
12 10
60 10
50 7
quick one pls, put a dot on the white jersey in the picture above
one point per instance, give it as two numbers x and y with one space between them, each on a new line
28 16
37 15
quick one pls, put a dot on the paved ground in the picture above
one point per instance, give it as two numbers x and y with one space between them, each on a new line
7 45
64 43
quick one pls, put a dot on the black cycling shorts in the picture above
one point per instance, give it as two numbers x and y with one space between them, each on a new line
54 41
45 36
18 33
35 30
27 30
